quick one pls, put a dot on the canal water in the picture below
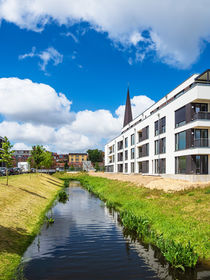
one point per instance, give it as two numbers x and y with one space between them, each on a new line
87 241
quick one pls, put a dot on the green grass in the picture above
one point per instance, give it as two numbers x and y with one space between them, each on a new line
178 223
23 205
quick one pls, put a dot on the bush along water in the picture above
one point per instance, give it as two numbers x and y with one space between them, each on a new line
178 255
62 197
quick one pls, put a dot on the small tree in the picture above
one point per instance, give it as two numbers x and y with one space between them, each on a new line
30 163
72 168
37 156
95 155
6 155
97 168
48 160
66 166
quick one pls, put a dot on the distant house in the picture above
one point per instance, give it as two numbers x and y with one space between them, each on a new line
77 159
20 156
59 160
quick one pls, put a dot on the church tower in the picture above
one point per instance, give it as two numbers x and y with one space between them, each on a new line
128 113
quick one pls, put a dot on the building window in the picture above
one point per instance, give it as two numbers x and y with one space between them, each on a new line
126 142
201 138
180 116
147 149
201 164
132 139
126 155
120 156
160 146
180 141
140 152
163 125
147 132
200 107
140 136
120 167
132 167
160 166
140 167
120 145
180 165
126 168
132 153
160 126
156 128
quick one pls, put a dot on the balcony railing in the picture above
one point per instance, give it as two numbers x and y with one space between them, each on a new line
201 116
202 143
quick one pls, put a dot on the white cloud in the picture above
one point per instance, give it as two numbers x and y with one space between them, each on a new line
176 29
46 56
35 114
23 100
21 146
70 34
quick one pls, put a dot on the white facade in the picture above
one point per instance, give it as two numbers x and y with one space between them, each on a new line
193 96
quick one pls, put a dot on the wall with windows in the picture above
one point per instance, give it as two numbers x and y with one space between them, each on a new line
180 128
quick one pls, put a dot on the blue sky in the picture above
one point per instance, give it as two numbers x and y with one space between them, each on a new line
89 55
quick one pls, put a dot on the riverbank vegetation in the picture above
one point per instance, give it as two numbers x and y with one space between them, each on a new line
177 223
23 204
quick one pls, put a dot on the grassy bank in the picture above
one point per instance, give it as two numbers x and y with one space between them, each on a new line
177 223
23 205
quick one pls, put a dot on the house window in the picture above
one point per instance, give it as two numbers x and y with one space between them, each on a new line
180 141
200 107
140 136
132 139
132 167
156 128
201 164
126 142
126 155
160 126
156 147
180 116
160 166
140 151
132 153
126 168
180 165
147 149
147 132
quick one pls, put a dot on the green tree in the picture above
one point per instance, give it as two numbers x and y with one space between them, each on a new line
48 160
97 168
66 166
6 155
30 163
37 156
95 155
72 168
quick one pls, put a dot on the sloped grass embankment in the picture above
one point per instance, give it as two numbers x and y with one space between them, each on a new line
177 223
23 205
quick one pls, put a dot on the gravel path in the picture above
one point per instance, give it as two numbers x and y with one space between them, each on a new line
152 182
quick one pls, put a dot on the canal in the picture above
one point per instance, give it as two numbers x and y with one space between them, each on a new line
87 241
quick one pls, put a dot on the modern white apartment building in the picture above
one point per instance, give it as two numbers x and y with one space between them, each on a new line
171 137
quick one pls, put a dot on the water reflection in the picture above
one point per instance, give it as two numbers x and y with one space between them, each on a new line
87 241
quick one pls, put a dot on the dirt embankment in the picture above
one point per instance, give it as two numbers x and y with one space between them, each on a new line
152 182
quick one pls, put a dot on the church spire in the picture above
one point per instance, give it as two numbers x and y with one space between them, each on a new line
128 113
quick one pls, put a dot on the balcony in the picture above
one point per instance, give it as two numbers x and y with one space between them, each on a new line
201 116
202 143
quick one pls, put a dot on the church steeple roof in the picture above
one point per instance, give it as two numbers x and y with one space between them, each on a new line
128 113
